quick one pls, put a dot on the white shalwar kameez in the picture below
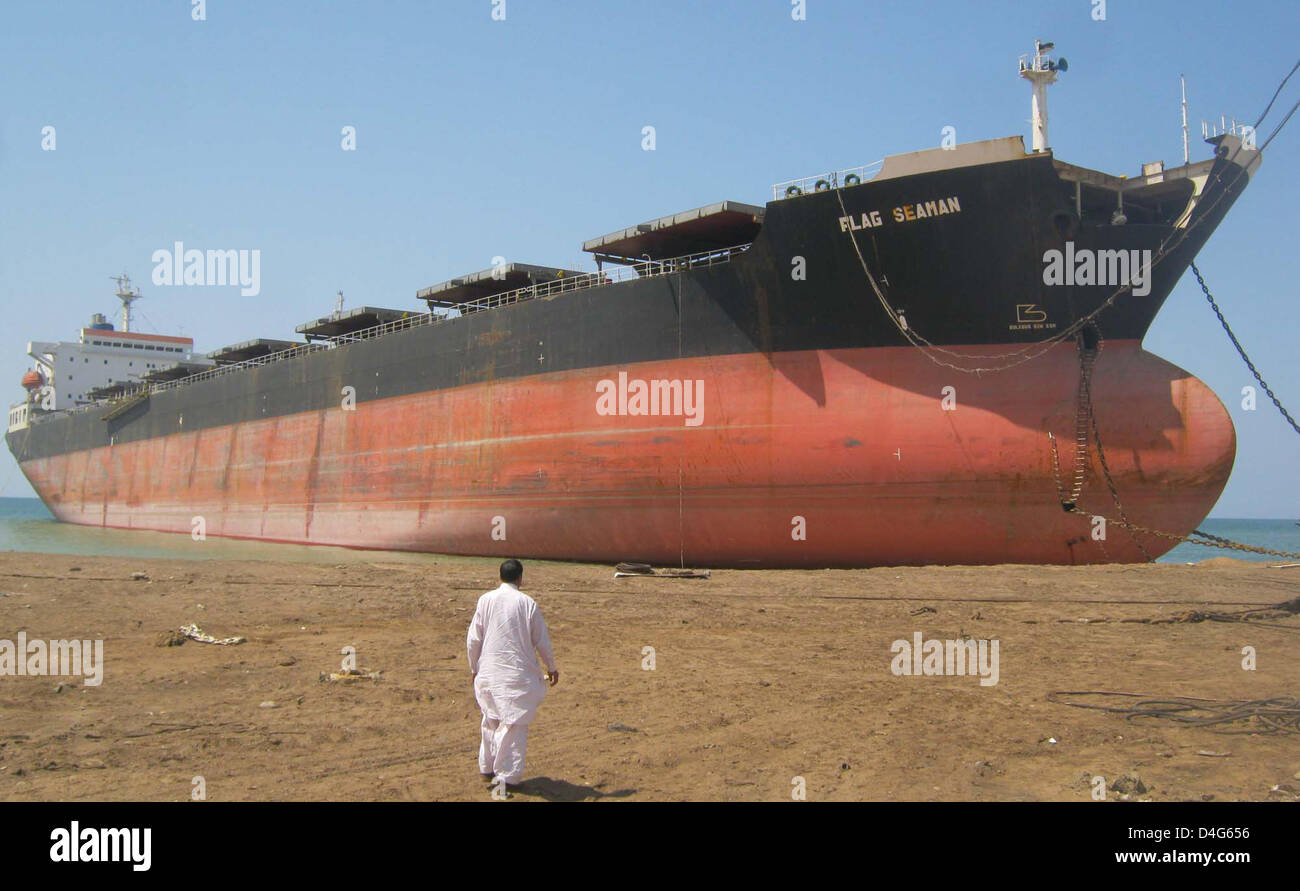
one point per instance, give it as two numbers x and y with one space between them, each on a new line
504 638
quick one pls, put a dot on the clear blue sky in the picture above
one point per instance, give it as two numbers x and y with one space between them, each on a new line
522 138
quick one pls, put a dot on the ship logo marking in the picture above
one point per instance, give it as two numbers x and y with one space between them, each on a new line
1029 312
1088 267
680 398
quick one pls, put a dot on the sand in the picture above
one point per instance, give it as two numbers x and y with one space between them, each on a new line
759 678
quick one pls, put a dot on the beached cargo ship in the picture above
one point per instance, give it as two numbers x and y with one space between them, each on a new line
911 362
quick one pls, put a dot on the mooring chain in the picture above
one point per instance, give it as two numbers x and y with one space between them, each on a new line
1086 359
1233 337
1211 541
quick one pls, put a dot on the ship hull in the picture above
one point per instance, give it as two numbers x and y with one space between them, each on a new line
824 430
814 458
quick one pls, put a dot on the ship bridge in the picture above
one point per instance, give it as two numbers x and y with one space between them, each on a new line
714 227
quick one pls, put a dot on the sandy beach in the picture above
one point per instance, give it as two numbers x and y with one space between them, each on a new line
758 678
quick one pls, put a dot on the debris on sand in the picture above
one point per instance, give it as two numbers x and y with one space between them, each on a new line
171 639
1129 784
349 675
194 632
645 570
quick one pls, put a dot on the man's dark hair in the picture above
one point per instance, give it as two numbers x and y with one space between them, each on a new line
512 571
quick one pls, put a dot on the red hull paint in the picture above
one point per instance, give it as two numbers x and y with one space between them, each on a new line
853 441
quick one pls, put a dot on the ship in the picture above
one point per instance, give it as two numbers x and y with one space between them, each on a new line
933 359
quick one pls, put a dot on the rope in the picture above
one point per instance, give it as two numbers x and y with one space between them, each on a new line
1251 616
1013 358
1280 714
1276 93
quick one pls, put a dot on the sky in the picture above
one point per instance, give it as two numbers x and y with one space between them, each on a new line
478 136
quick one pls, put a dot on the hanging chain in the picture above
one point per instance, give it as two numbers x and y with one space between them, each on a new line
1233 337
1086 420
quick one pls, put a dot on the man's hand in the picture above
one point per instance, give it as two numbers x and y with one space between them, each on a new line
553 676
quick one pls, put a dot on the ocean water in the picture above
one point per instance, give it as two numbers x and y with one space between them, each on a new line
1277 535
25 525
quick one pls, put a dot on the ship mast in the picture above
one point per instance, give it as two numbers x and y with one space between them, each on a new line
127 295
1187 158
1040 72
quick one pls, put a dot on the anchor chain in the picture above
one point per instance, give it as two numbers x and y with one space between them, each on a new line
1087 359
1233 337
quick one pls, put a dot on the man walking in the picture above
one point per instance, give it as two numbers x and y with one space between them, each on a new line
505 636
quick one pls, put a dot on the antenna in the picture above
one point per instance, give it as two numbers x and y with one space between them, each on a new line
338 305
127 295
1041 72
1187 158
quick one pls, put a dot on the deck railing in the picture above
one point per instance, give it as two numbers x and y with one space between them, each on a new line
582 281
824 182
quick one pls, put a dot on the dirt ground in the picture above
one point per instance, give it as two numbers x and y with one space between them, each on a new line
759 678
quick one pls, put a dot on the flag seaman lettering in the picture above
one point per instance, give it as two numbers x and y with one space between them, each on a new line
54 657
89 845
946 657
904 213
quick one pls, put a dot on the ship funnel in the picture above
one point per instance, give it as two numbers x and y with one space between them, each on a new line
1041 71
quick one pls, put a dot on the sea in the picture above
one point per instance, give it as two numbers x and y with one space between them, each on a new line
26 525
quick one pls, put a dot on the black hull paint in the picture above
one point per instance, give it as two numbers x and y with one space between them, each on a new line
959 277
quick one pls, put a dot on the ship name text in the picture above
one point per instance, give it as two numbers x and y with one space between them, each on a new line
904 213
